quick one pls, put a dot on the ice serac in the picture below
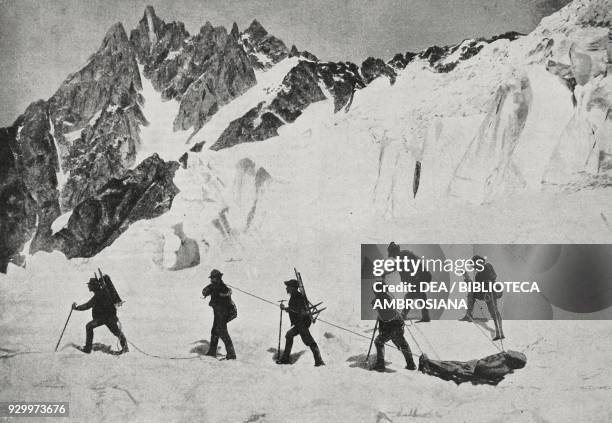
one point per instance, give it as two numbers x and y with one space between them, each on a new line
264 49
250 184
96 117
188 253
142 193
488 164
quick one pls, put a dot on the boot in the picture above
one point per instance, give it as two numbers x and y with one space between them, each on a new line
286 357
317 355
471 300
88 340
230 352
410 365
499 332
124 345
212 348
379 366
424 316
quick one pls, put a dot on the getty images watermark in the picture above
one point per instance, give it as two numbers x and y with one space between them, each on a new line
527 281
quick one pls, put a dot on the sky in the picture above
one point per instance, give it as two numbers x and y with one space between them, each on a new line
41 42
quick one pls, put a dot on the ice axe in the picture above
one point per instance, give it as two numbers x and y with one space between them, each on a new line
280 331
372 341
63 330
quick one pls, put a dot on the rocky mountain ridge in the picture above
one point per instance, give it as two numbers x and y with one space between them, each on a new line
67 149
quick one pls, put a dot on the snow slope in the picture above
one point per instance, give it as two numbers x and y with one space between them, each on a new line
568 362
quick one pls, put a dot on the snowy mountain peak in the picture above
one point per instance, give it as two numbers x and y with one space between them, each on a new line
235 32
264 49
256 30
115 37
475 116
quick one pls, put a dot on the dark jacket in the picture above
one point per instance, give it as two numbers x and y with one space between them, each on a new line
102 307
220 298
298 310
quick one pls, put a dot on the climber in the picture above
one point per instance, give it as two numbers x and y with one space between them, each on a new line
486 275
300 323
393 250
103 312
224 311
391 328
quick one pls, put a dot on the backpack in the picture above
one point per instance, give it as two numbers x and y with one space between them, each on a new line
107 284
233 312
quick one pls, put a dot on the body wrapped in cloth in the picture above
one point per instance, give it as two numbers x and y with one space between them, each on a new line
489 370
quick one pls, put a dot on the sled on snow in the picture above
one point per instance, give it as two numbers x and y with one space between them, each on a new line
489 370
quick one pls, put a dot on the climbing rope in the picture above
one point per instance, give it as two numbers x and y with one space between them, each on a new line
414 339
159 356
337 326
484 333
416 327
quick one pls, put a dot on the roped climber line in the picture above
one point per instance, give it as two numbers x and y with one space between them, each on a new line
319 320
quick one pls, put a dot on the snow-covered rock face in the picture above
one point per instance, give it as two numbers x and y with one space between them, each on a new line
142 193
203 72
264 50
470 123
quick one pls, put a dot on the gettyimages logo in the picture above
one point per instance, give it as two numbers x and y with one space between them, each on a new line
518 281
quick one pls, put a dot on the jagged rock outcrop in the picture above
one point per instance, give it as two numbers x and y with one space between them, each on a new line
203 72
104 151
309 56
372 68
294 52
36 149
445 59
264 50
96 117
300 88
154 40
253 126
342 79
142 193
400 61
17 207
76 137
111 77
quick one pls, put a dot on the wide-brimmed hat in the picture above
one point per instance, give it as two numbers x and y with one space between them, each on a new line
215 274
292 283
